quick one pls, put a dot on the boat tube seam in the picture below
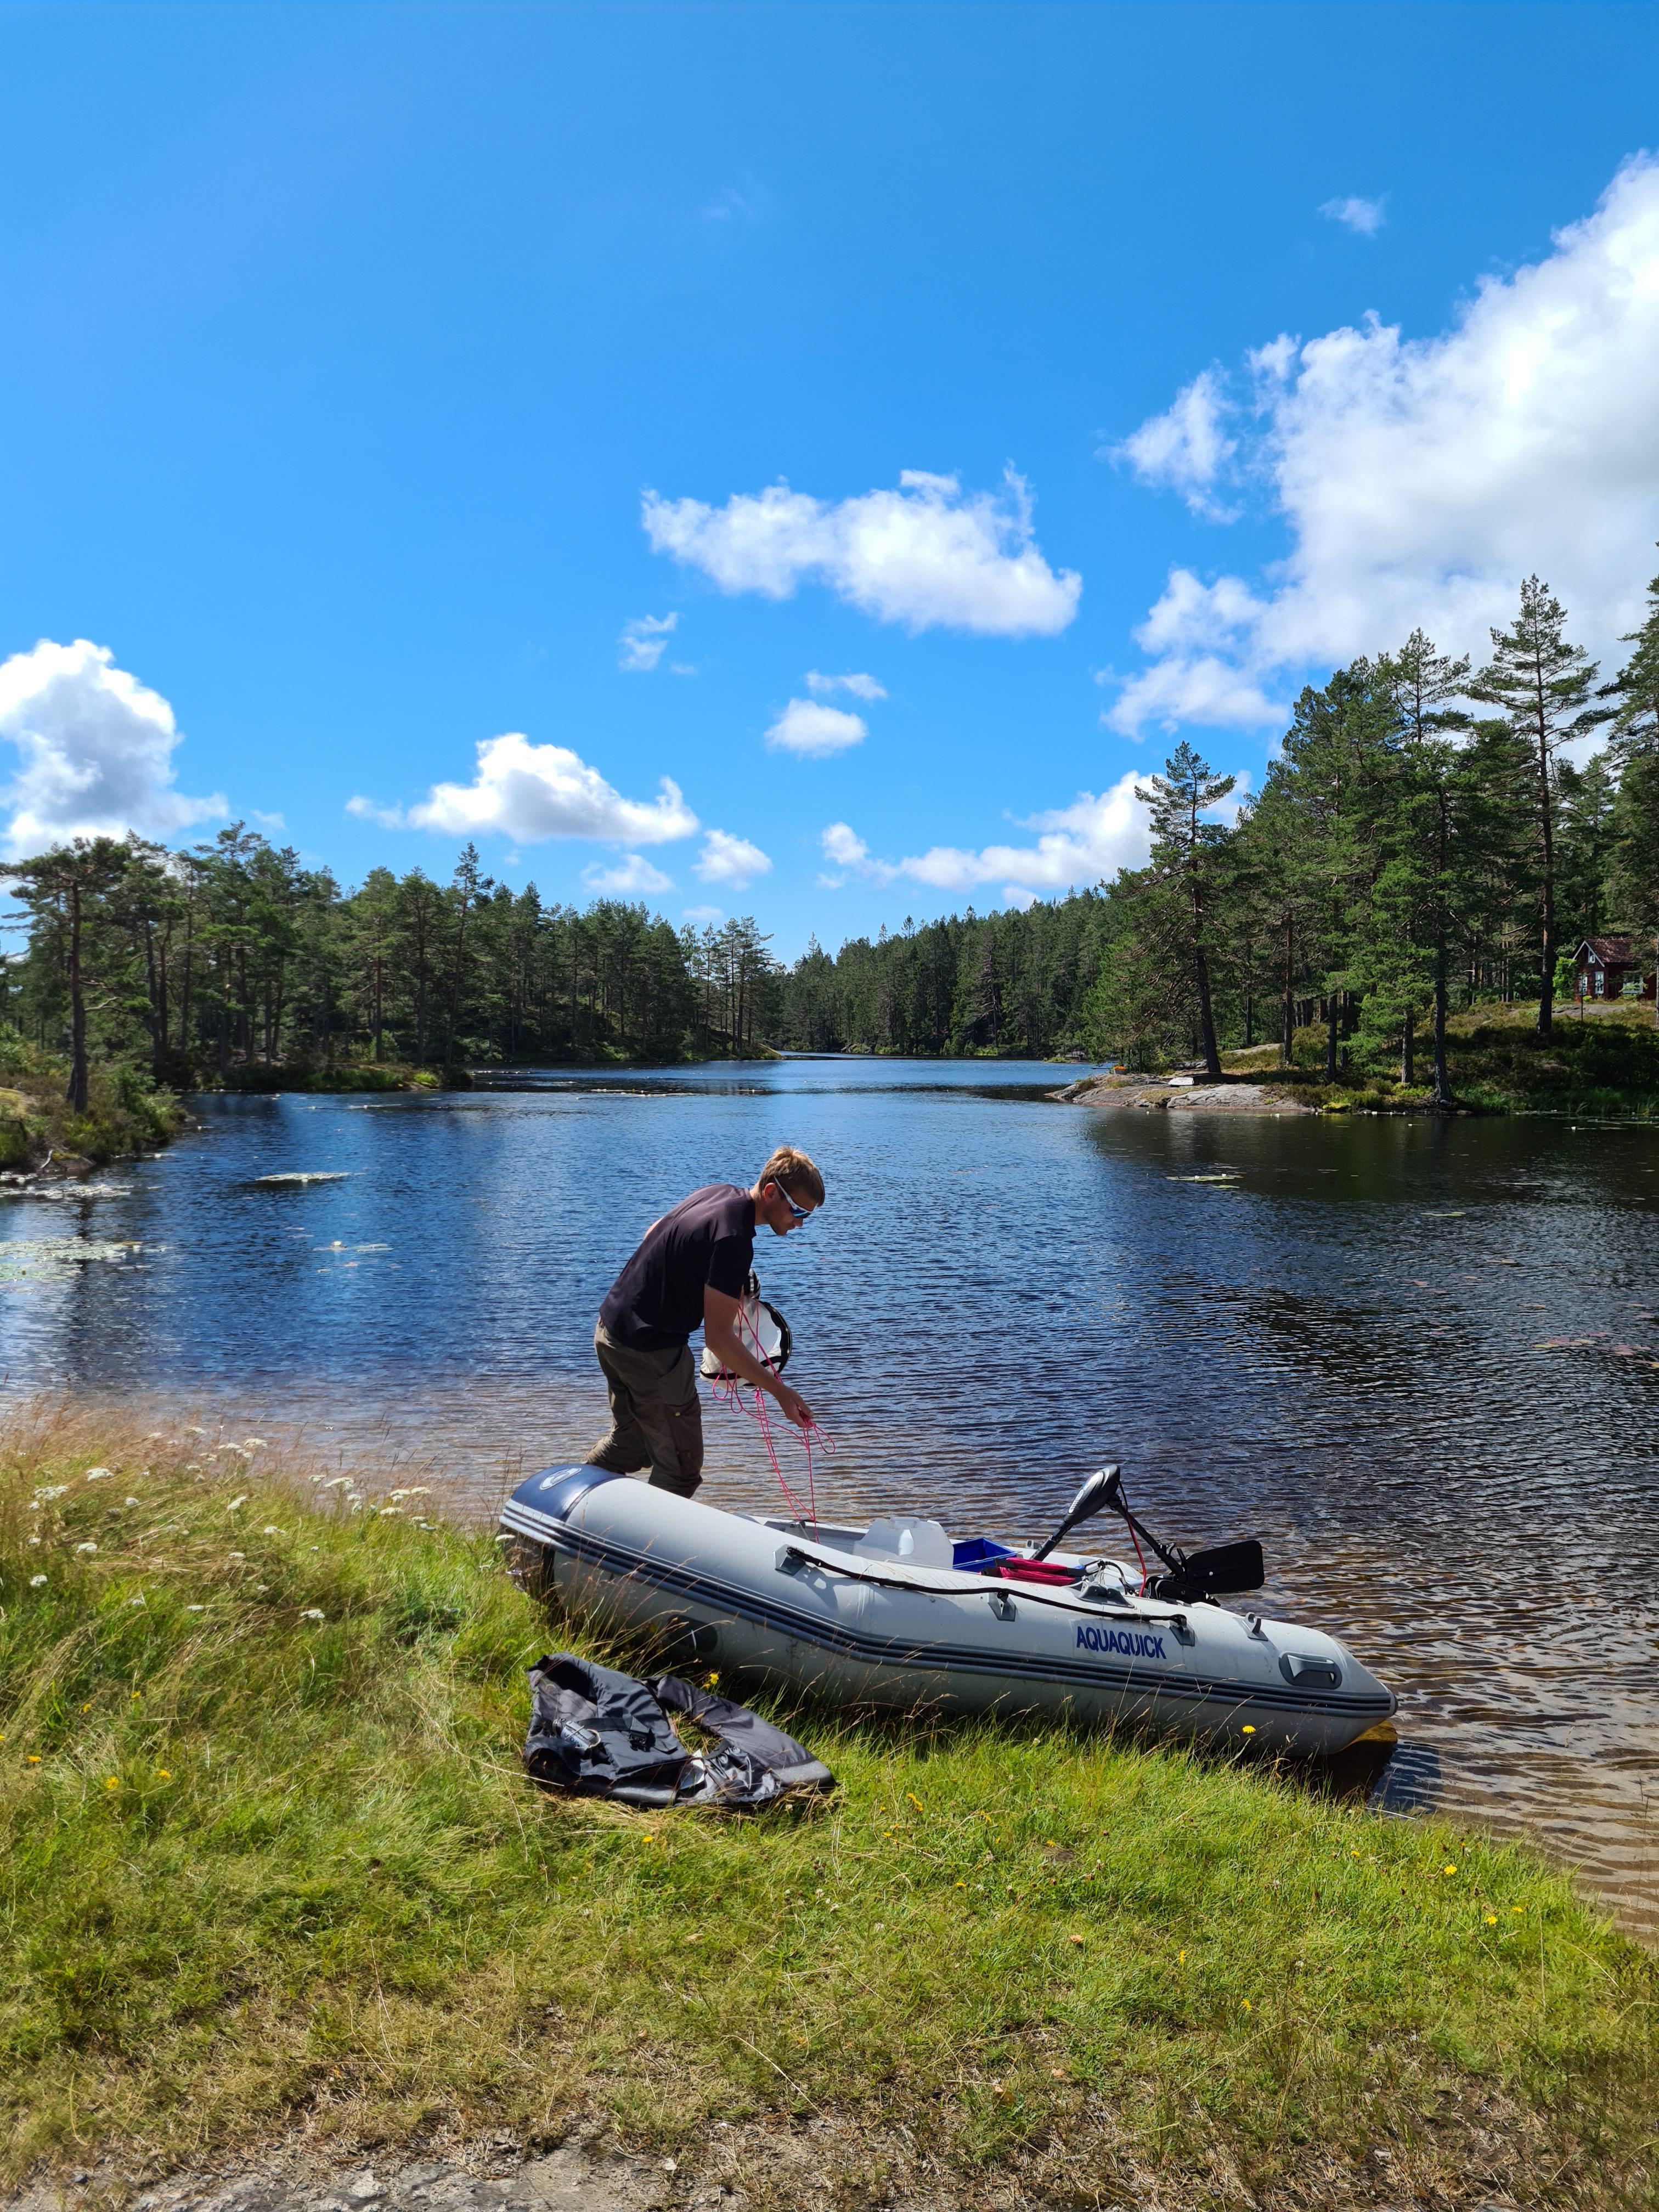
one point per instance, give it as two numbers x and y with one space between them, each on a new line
848 1643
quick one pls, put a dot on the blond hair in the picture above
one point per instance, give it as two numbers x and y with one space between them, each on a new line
794 1172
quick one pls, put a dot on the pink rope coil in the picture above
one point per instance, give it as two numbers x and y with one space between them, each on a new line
730 1392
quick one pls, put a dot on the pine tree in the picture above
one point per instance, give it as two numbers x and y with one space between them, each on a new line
1186 854
67 885
1636 719
1545 688
1424 681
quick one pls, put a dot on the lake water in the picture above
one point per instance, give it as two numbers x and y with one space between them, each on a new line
1419 1359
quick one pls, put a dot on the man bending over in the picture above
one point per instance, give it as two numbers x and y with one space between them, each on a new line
688 1273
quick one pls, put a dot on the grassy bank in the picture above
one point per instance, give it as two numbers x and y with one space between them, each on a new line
1602 1063
268 1849
262 1077
125 1114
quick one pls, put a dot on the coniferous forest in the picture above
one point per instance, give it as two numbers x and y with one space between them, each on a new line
1423 841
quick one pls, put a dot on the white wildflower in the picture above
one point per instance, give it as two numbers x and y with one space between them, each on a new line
135 1600
337 1481
236 1555
97 1474
132 1501
54 1490
35 1581
255 1443
235 1501
195 1608
87 1546
312 1613
268 1530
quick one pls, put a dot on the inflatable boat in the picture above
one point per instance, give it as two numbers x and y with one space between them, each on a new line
896 1614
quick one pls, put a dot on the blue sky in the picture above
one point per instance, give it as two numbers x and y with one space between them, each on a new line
344 345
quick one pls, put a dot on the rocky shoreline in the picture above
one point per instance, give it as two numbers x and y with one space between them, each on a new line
1181 1095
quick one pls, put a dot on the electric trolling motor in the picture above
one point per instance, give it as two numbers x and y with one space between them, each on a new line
1225 1570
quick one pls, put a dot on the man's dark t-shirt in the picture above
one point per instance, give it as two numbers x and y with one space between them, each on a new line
657 1300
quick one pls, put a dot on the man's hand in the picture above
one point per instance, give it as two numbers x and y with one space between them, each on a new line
794 1408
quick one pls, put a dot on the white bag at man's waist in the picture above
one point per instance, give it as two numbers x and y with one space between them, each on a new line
761 1330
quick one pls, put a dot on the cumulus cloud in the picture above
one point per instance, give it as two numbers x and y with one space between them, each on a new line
644 640
1092 837
1186 448
728 859
632 877
927 555
530 793
1365 216
860 686
814 730
1419 479
702 914
96 749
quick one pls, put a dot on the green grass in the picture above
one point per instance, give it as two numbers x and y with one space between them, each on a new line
1603 1064
124 1113
258 1862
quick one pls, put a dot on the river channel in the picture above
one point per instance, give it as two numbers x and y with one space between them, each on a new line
1419 1359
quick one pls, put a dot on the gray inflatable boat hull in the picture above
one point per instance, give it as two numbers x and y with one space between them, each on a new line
785 1606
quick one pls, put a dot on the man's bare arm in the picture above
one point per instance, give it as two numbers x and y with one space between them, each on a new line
720 1333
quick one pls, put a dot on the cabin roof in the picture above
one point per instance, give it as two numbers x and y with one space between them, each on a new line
1611 952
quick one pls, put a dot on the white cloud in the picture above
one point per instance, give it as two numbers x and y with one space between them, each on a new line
632 877
266 821
644 640
728 859
1366 217
734 202
1077 844
814 730
1419 480
702 914
861 687
532 792
927 555
1185 448
96 749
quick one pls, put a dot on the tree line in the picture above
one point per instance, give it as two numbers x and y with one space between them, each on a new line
231 961
1422 841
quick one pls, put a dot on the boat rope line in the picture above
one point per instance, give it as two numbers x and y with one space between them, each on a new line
729 1391
845 1642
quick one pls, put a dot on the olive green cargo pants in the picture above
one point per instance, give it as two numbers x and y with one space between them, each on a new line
656 1415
